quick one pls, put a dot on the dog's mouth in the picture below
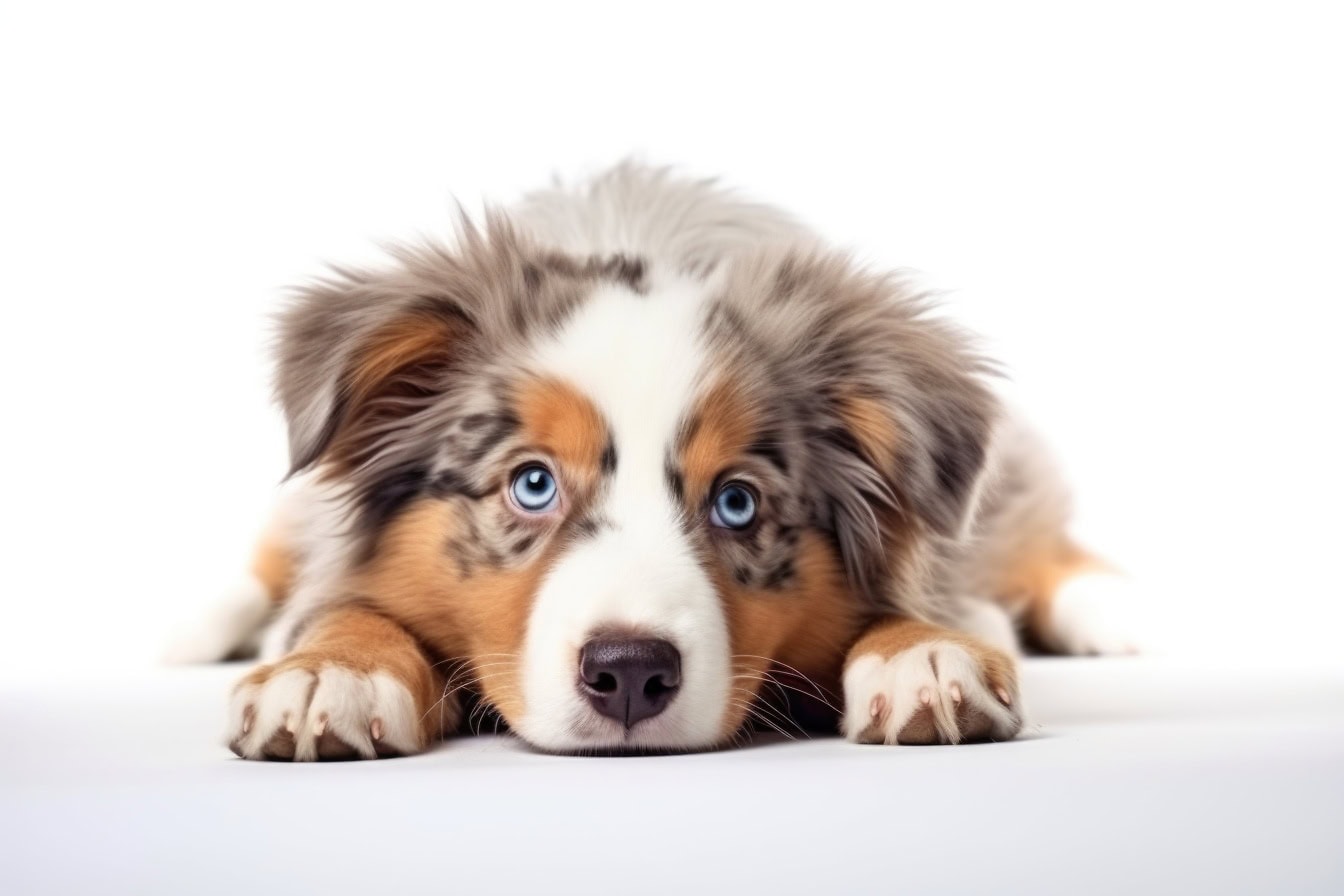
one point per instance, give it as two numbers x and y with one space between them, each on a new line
784 713
587 732
602 738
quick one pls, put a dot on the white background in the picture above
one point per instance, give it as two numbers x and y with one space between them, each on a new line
1142 211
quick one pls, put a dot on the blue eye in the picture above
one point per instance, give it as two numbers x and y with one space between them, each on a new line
734 507
534 489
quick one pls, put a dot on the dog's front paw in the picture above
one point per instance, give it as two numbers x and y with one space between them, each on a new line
303 709
938 692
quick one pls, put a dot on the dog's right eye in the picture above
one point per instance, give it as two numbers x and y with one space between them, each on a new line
734 507
534 489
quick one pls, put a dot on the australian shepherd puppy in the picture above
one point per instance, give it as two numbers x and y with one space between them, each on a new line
635 466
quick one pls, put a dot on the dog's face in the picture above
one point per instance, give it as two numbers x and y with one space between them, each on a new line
618 496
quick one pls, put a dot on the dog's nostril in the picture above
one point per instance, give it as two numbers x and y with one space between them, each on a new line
629 679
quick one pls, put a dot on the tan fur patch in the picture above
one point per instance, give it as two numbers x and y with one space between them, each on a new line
561 421
1028 586
803 629
404 342
872 425
394 363
721 429
475 621
475 624
274 565
791 637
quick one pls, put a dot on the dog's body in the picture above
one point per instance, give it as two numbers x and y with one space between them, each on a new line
624 463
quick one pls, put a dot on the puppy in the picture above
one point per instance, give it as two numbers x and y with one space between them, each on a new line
639 466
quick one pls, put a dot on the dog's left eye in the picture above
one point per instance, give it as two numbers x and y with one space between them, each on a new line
534 489
734 507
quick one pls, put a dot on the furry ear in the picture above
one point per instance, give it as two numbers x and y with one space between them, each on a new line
354 348
928 441
361 352
916 404
903 458
896 416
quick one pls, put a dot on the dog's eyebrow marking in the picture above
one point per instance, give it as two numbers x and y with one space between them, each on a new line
689 430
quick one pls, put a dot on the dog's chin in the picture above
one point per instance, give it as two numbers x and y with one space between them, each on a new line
594 735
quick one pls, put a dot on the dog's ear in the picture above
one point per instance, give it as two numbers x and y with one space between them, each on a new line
915 420
360 353
358 346
897 416
927 437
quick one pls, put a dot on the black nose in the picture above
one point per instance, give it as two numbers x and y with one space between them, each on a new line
629 679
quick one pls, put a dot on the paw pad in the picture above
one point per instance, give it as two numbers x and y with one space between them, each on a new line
329 713
935 693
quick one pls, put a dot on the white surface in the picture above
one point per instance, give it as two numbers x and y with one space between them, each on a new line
1140 776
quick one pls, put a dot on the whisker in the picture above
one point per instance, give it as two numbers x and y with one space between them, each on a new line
751 711
768 678
471 659
775 712
790 670
449 689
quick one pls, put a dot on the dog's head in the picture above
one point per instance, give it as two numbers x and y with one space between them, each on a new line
621 494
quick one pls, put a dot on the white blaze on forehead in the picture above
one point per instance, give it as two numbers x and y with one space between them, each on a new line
639 359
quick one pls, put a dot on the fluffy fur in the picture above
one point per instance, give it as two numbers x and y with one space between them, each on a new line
649 341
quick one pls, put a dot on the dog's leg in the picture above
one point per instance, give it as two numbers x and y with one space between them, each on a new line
1071 602
357 686
234 623
1065 597
1090 611
908 682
